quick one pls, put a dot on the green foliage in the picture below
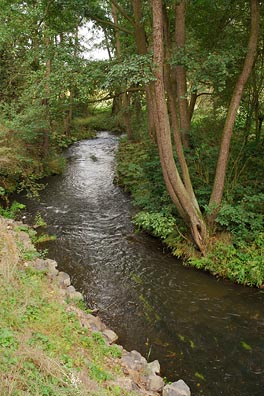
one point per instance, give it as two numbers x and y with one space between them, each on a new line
39 221
139 171
240 256
243 223
157 224
99 121
242 264
7 338
98 374
12 211
133 71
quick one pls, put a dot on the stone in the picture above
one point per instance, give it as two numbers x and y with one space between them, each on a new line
51 264
78 296
88 321
73 294
63 279
153 367
127 384
134 361
155 383
95 323
110 336
52 273
178 388
62 292
40 264
70 289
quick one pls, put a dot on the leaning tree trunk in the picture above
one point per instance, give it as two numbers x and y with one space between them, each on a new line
172 105
179 194
219 181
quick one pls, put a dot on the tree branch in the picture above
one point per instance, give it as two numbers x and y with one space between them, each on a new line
113 25
112 96
122 11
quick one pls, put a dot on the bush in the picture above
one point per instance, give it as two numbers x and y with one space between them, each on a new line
242 264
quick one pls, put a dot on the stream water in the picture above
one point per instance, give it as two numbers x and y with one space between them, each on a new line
208 332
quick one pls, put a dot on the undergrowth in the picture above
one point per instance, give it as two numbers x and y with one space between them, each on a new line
239 256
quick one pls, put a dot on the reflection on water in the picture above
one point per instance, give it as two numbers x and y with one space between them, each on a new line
208 332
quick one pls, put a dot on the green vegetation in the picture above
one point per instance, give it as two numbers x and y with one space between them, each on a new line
43 347
12 211
184 80
236 249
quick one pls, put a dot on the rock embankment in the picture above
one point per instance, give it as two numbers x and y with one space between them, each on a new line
137 377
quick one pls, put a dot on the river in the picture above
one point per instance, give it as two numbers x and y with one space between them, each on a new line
206 331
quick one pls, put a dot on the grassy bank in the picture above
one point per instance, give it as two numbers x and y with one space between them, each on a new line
44 349
236 249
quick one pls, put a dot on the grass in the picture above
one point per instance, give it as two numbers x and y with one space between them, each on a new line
44 350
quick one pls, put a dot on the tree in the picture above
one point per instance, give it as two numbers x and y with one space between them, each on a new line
179 187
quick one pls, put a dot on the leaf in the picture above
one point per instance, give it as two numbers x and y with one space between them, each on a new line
181 337
199 375
192 344
246 346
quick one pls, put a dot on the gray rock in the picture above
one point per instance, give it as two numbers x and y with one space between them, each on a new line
73 294
153 367
178 388
62 292
63 279
125 383
134 361
155 383
52 273
95 323
40 264
51 264
70 289
110 336
78 296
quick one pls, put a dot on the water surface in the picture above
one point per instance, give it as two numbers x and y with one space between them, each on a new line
206 331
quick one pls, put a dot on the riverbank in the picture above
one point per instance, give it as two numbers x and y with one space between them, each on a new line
234 250
50 344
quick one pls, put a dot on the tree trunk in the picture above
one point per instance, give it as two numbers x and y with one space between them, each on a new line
141 43
46 132
181 73
182 200
219 182
172 99
126 116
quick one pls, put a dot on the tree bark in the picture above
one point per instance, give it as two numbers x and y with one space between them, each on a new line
125 101
142 49
46 132
180 10
219 181
172 99
181 198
